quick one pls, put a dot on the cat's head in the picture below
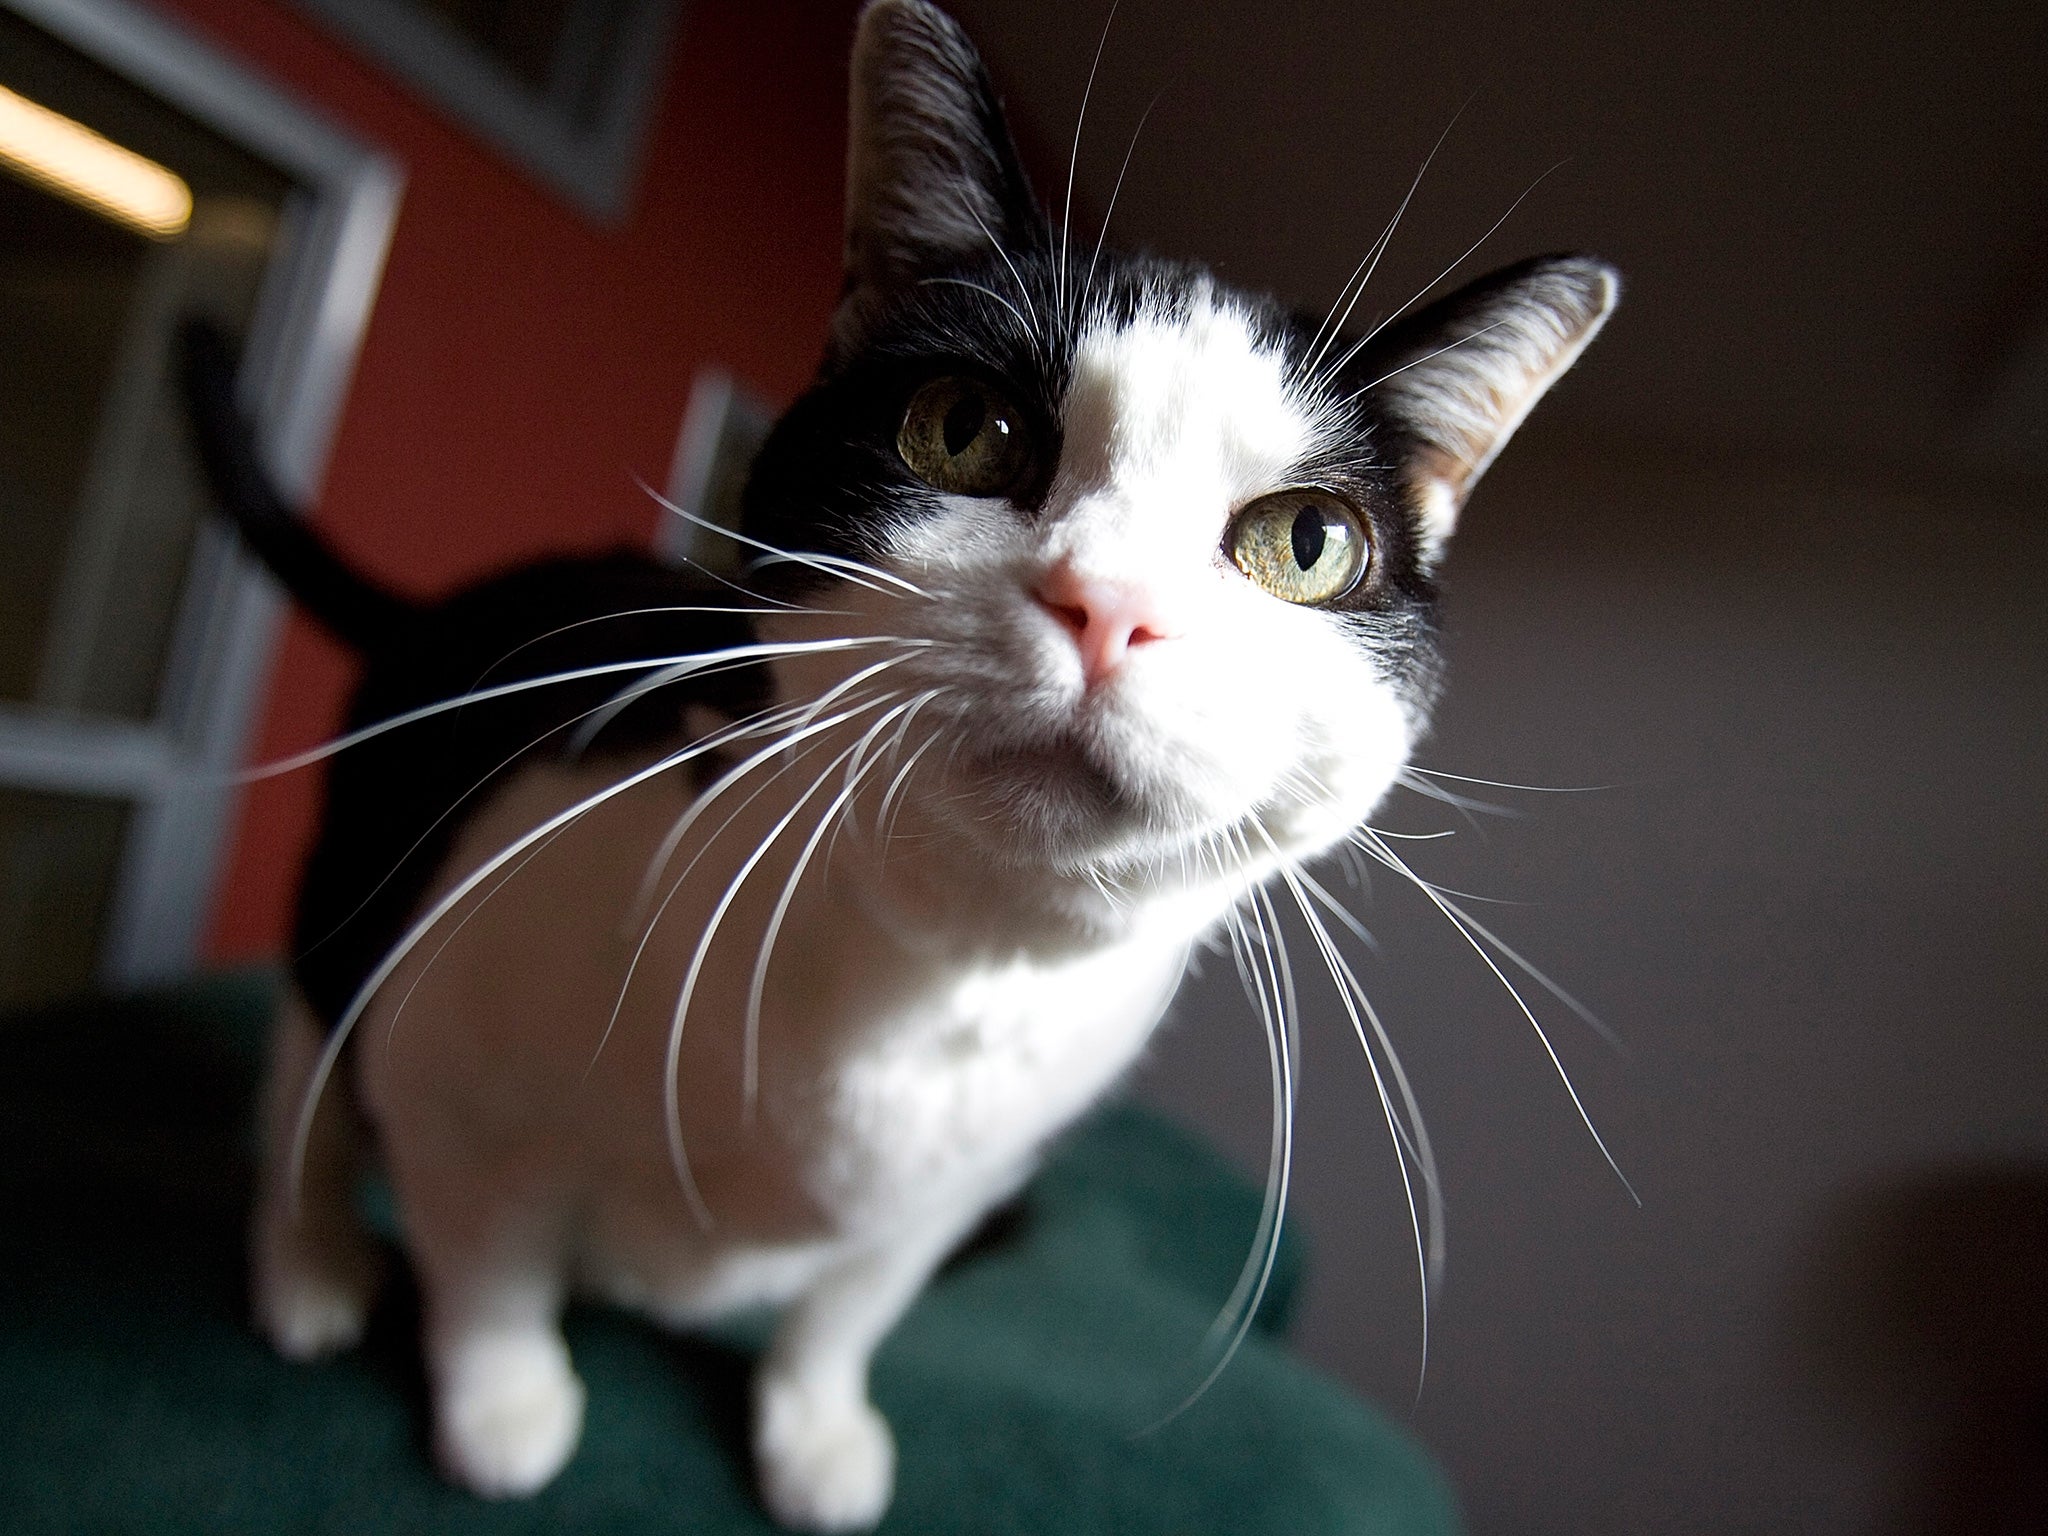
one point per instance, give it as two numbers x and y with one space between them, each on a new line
1166 549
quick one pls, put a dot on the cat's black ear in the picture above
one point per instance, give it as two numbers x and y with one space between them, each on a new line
1459 376
931 176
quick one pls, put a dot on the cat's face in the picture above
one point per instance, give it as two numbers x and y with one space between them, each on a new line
1164 549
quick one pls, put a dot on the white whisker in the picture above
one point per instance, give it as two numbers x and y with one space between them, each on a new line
859 574
677 667
1074 155
757 985
982 288
1459 921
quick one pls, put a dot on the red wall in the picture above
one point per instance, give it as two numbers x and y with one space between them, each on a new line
522 366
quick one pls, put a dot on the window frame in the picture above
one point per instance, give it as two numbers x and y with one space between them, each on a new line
177 771
593 164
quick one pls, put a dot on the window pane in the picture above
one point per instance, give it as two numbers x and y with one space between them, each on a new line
98 500
58 857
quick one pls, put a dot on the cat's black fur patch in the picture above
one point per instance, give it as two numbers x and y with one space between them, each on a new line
395 802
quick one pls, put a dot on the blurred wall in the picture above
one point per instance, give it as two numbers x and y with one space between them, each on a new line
523 366
1809 895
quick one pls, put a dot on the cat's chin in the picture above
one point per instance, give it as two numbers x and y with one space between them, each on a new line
1064 803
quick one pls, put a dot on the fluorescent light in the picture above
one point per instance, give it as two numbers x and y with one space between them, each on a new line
71 160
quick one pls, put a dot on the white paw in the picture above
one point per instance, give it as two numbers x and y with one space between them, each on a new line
509 1418
825 1464
310 1306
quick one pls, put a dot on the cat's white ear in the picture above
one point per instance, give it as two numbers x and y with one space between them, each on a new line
931 174
1460 376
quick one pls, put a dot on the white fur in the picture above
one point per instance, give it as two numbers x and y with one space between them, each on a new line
940 1000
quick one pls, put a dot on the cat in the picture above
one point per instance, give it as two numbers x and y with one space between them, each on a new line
706 945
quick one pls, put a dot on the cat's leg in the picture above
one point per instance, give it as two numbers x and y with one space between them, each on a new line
507 1403
313 1269
825 1457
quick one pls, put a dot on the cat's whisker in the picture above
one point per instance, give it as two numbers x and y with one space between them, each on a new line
1334 323
757 985
1016 277
1088 283
799 715
1463 804
671 1093
1074 155
1411 1141
892 799
344 1026
1241 1308
1527 967
1446 890
1365 340
1338 910
636 613
855 571
982 288
652 920
504 879
895 753
460 800
1456 917
1533 789
1413 362
676 667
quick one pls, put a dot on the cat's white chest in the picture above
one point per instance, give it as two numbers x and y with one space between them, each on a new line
973 1070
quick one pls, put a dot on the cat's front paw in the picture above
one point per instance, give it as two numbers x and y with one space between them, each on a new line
827 1462
509 1418
312 1299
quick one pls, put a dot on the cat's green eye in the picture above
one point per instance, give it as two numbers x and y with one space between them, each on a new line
1303 546
961 435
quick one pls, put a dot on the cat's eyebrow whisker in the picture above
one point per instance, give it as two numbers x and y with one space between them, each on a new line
1334 323
1366 389
1363 341
1074 155
1016 277
1456 917
676 667
982 288
830 565
1101 235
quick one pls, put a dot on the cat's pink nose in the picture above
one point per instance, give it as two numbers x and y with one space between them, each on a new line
1105 618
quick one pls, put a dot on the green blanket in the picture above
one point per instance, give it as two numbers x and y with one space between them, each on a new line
134 1398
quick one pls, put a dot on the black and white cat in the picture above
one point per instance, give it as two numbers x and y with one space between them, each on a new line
729 947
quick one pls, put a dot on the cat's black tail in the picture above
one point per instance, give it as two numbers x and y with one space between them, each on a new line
348 604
